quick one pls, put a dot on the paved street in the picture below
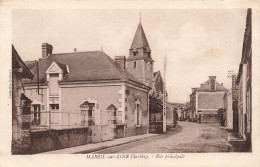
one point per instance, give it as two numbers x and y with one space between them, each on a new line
188 137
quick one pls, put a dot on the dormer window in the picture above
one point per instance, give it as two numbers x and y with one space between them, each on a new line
53 84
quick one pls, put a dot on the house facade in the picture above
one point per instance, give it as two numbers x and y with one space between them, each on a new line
235 102
206 100
243 82
21 106
228 109
89 89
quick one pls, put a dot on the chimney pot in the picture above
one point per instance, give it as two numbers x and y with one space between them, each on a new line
212 82
121 61
212 77
46 50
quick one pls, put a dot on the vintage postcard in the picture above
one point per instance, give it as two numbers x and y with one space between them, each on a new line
122 83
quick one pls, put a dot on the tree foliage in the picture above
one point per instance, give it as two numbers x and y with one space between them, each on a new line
155 105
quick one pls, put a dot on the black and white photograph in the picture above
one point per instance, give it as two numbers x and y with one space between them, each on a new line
132 83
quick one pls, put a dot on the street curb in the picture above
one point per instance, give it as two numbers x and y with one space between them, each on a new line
113 145
90 150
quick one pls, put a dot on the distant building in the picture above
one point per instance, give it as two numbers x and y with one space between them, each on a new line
174 113
244 79
193 102
206 100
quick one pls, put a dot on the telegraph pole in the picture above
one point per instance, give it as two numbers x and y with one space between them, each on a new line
230 73
164 95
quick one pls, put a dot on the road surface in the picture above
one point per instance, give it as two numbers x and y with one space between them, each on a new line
189 137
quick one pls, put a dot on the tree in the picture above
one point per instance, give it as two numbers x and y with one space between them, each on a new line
155 108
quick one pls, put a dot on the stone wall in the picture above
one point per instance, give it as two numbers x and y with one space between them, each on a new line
156 127
210 100
48 140
132 96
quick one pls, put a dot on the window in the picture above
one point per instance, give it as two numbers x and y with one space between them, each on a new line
84 117
54 106
87 112
236 87
134 51
36 114
138 114
134 64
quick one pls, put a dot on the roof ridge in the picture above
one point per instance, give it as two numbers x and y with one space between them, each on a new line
76 52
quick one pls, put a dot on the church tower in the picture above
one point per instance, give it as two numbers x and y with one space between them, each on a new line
140 63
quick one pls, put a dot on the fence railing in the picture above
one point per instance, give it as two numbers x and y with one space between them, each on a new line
57 119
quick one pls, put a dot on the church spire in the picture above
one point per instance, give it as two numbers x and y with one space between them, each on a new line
140 40
140 16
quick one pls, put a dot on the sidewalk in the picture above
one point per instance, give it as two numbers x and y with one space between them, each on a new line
237 143
88 148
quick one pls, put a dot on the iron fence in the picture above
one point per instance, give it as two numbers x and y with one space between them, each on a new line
58 119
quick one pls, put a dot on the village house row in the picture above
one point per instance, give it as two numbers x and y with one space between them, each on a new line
212 103
68 99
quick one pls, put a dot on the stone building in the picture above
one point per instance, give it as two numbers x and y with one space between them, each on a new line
206 100
95 97
228 109
192 113
21 106
235 102
140 63
244 79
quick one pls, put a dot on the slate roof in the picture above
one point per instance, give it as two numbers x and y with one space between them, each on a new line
140 40
83 66
18 63
155 73
206 87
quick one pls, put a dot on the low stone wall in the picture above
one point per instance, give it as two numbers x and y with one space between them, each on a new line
210 118
48 140
135 131
156 127
119 131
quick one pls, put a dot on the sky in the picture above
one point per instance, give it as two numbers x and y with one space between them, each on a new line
198 42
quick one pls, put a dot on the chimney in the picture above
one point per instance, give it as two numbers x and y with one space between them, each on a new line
194 89
121 61
212 82
46 50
